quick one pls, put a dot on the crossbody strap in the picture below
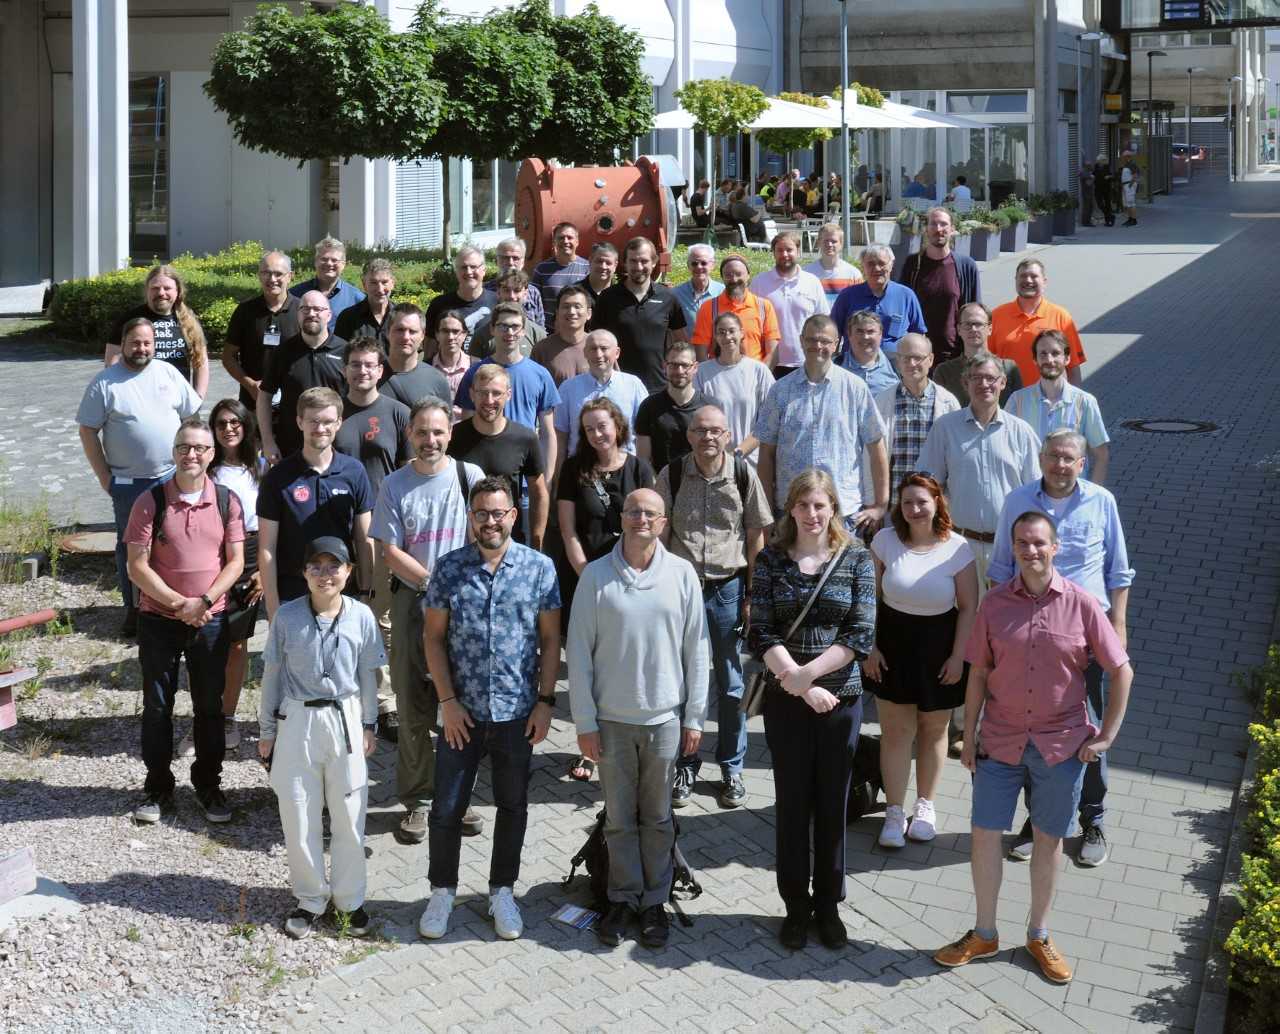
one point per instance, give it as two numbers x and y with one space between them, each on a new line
831 566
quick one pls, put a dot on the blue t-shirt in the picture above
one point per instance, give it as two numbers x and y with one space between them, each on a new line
533 391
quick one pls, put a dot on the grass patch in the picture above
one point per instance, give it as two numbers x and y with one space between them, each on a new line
25 528
35 747
133 935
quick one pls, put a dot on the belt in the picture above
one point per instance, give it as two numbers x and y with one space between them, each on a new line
716 583
979 536
337 706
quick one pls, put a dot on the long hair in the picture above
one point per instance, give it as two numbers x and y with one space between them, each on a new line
811 480
941 519
192 332
247 453
585 453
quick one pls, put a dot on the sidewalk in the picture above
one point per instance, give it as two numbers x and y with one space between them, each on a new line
1174 314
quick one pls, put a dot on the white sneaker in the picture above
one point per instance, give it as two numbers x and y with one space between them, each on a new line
507 923
187 747
893 832
230 733
435 920
924 822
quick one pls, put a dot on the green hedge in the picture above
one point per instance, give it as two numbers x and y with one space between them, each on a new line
84 310
1254 942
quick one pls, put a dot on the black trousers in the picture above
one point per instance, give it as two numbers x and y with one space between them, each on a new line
812 761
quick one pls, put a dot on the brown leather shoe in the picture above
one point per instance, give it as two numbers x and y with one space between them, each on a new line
1052 965
965 950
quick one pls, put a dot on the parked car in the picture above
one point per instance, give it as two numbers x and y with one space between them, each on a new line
1197 152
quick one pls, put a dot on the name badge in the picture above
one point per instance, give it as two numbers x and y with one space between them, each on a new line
271 339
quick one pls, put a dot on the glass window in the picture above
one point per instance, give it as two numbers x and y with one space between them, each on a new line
507 193
482 195
868 157
1010 162
148 167
987 103
919 99
918 176
1066 102
967 157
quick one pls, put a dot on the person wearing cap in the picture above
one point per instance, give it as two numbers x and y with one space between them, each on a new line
317 718
760 333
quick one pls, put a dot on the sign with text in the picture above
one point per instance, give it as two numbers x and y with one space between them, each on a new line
1181 13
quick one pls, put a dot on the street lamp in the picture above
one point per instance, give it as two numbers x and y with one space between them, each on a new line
1189 71
1231 136
844 124
1150 121
1082 37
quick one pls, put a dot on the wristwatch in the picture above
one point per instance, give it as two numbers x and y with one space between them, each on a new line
208 603
549 700
422 585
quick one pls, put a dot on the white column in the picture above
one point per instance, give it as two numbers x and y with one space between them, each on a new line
84 175
356 202
384 201
113 139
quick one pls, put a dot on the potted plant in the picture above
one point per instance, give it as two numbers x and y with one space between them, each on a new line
963 230
1064 213
1013 236
983 232
1040 226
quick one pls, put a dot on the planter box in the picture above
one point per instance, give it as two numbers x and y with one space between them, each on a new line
984 245
1014 238
1040 229
1064 222
960 244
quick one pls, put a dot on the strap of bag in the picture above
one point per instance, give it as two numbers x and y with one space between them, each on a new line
831 566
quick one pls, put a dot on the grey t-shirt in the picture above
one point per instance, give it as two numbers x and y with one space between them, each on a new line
424 514
423 380
138 413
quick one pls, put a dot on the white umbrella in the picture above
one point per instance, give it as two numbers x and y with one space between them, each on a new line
779 114
933 119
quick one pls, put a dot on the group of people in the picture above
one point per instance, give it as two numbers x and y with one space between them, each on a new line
875 484
1102 188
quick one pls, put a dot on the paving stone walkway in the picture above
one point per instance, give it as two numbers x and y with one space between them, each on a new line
1176 323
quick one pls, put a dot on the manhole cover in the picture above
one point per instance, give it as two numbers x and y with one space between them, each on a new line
1170 426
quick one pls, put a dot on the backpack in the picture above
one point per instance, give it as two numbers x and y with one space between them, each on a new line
865 782
741 477
594 855
220 492
463 483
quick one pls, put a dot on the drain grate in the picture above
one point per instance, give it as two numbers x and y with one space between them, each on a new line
1170 426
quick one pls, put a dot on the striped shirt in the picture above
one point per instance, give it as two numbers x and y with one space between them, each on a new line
1075 409
834 280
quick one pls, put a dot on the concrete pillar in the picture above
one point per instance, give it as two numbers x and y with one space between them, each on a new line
681 72
356 203
113 137
84 176
384 201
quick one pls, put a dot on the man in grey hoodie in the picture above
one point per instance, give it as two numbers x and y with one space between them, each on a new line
638 660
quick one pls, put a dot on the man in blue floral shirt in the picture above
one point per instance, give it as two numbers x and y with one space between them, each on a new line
492 636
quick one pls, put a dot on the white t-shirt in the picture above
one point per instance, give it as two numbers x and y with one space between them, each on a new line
960 192
921 583
740 389
241 482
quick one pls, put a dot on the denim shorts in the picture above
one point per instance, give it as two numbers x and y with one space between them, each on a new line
1055 792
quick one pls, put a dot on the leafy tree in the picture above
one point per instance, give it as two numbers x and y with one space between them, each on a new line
601 98
784 141
320 84
867 95
720 107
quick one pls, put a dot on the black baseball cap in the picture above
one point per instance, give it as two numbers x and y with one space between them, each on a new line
330 544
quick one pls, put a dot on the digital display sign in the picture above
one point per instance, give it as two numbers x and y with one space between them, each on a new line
1176 13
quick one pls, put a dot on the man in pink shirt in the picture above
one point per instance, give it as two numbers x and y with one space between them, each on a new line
183 563
1028 651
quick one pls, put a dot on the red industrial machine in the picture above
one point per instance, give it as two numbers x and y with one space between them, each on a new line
606 203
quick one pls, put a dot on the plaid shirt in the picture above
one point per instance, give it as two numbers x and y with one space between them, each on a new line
912 418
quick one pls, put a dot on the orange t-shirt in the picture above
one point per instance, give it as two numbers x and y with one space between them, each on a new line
754 336
1013 333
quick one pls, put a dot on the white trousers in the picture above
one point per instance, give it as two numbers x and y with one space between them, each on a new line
312 768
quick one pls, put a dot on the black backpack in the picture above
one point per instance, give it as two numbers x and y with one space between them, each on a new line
741 477
865 783
221 493
594 855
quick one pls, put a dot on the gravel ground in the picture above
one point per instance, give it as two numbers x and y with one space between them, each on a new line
180 929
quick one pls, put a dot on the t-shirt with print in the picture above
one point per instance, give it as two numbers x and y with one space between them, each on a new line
171 346
424 514
376 435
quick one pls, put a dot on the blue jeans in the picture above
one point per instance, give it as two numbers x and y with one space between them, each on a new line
122 500
162 643
510 755
723 606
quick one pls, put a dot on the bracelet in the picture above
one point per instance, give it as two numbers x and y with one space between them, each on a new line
446 700
549 700
208 603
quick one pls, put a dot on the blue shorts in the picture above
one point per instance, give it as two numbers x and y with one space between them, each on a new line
1055 792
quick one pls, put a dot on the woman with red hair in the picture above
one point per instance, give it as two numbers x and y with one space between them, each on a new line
927 586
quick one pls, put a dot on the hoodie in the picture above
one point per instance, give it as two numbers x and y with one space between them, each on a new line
637 647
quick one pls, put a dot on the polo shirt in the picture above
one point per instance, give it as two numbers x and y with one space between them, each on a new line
759 323
492 639
376 435
641 326
341 296
592 293
192 552
418 383
666 425
472 312
898 308
834 280
623 390
691 300
1036 650
878 376
171 346
533 392
550 278
307 503
359 321
1013 332
250 324
291 371
794 300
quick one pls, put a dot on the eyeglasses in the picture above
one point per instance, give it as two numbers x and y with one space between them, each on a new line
708 432
313 308
914 359
643 515
974 324
321 425
229 424
375 365
491 516
273 274
324 570
985 378
680 364
470 267
510 328
183 449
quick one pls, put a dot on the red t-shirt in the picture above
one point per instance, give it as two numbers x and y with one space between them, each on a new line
190 556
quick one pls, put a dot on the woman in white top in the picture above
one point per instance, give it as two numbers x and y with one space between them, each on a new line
737 382
928 590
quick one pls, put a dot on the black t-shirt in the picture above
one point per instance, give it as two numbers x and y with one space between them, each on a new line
376 435
412 385
359 321
171 346
292 370
597 513
640 325
472 313
513 453
666 425
250 325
